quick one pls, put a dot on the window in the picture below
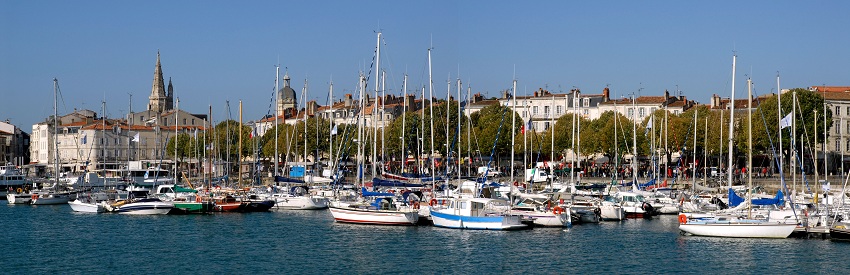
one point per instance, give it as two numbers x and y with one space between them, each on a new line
848 146
631 112
652 110
184 121
837 145
847 111
523 113
585 112
642 112
560 109
585 102
534 110
546 110
142 118
546 126
193 121
837 110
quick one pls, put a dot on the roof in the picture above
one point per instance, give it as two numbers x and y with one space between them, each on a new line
830 89
842 95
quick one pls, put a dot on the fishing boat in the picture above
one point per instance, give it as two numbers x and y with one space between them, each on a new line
476 213
379 209
12 181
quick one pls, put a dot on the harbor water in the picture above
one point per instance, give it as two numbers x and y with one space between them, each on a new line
54 239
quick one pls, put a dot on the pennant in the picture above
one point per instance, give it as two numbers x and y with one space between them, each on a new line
333 131
195 135
785 121
649 124
136 137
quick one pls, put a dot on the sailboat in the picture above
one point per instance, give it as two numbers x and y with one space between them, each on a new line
53 196
734 227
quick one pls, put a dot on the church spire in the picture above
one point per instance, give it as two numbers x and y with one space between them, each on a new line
158 96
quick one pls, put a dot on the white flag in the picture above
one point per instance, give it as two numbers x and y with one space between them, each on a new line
136 137
785 121
649 124
333 131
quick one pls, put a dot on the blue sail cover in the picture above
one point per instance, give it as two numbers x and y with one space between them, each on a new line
775 200
285 179
392 183
735 200
367 193
647 184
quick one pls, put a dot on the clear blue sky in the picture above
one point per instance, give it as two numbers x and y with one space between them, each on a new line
216 51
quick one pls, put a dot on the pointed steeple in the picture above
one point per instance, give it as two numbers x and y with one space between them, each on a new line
158 96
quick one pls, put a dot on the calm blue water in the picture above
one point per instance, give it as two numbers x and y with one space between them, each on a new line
53 239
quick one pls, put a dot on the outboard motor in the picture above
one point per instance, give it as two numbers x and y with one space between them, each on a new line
648 209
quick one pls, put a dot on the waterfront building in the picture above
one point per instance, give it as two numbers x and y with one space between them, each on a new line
14 144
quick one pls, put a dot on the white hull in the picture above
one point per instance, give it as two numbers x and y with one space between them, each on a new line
507 222
51 199
612 213
380 217
144 208
19 198
300 203
84 207
547 219
739 229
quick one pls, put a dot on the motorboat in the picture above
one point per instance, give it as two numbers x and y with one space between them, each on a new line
477 213
379 209
734 228
146 206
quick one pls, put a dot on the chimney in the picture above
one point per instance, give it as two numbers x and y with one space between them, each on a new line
606 94
409 100
348 100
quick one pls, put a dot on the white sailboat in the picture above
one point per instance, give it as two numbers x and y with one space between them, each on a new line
736 228
53 196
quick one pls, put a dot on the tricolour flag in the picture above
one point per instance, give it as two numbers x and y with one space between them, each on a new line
785 121
84 139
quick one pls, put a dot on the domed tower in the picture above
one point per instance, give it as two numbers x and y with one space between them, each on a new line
286 96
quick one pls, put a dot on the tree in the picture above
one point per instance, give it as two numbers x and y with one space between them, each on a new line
491 122
766 121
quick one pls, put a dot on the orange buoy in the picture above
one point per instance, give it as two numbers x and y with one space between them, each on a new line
683 219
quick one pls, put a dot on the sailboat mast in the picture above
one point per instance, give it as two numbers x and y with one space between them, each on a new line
56 131
694 179
360 142
276 117
457 137
731 167
780 116
375 105
176 124
383 122
750 147
304 99
403 122
513 128
239 148
331 117
431 108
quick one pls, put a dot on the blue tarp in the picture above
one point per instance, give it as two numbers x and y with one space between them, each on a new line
296 172
735 200
393 183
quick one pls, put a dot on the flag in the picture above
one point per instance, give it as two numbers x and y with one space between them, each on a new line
785 121
253 132
333 131
136 137
649 124
196 133
84 139
146 174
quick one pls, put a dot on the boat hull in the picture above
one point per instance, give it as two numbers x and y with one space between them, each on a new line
508 222
192 207
85 207
51 200
144 208
839 233
612 213
739 230
19 198
378 217
301 203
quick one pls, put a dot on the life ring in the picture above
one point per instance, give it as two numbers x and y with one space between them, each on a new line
19 190
197 198
683 219
558 210
392 191
34 197
416 205
432 202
